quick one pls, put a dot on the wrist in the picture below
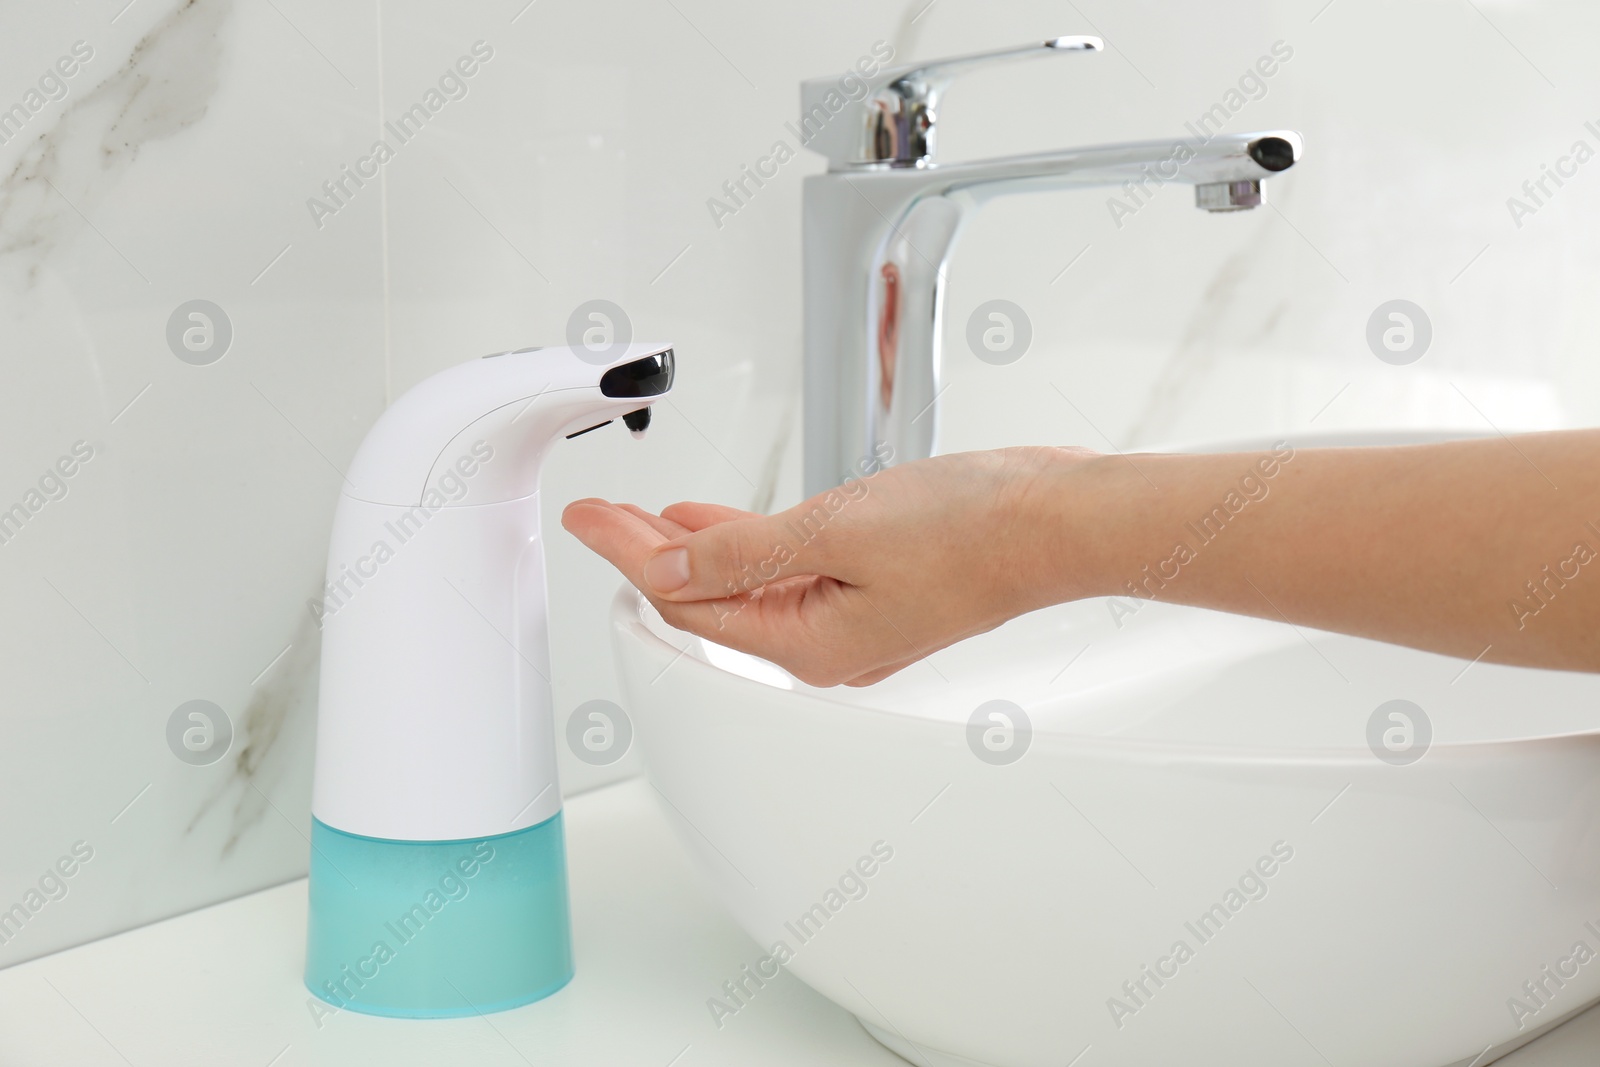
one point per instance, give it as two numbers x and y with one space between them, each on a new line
1073 513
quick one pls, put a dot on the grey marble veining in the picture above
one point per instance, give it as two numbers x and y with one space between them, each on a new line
164 86
287 689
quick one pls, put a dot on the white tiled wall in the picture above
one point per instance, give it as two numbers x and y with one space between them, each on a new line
577 165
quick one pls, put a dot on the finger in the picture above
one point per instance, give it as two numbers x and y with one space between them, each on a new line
727 559
783 621
625 539
662 525
621 536
697 516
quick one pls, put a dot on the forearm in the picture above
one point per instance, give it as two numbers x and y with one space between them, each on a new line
1455 547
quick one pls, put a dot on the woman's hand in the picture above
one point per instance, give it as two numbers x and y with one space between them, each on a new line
858 582
1482 549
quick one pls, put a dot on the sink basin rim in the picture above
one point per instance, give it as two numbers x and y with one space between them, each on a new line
629 605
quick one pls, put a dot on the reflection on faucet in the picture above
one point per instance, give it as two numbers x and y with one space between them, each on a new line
879 227
888 332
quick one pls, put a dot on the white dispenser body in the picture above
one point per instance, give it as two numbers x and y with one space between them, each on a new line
438 720
435 718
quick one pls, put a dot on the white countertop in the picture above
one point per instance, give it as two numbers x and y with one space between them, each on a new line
222 985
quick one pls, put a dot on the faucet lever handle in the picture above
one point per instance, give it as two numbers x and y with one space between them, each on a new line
893 120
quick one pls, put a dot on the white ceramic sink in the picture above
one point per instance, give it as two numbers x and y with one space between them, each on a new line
1030 913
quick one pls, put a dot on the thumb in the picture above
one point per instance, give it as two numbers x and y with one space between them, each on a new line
727 559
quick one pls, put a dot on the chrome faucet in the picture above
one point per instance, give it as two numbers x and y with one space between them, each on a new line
879 227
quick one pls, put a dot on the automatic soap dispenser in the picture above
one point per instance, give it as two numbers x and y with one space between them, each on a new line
438 879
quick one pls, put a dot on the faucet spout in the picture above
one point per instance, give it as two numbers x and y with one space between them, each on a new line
877 241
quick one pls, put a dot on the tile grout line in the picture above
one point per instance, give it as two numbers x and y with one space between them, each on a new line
383 219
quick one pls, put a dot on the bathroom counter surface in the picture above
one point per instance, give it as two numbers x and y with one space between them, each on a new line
222 985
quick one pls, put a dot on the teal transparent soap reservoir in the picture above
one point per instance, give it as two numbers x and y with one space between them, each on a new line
436 929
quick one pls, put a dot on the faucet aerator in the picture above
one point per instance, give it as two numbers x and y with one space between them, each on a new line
1228 196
